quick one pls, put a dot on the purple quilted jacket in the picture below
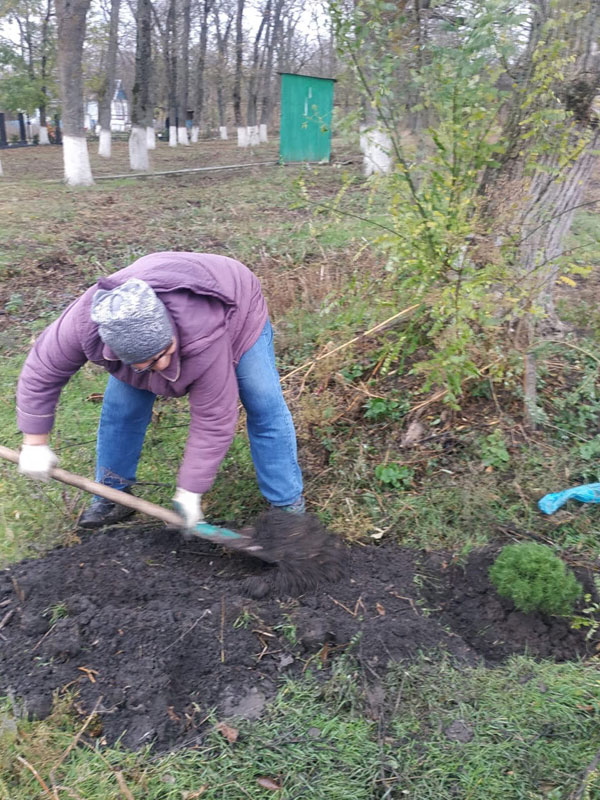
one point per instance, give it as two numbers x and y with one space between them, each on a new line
218 312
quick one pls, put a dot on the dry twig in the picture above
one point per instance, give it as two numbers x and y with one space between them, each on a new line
75 740
37 776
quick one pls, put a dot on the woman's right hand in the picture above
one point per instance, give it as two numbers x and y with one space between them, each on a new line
36 461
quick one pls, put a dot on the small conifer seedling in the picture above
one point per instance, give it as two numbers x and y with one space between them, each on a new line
535 579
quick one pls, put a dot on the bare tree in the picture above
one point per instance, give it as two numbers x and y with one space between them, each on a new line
222 40
271 42
254 76
184 73
205 9
107 87
71 18
141 110
169 39
44 62
237 80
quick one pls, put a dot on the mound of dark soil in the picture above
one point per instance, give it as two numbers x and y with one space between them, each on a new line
465 601
164 630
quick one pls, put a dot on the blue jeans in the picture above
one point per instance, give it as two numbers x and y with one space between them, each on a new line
126 412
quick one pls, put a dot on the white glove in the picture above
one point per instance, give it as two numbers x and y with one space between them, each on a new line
36 461
189 506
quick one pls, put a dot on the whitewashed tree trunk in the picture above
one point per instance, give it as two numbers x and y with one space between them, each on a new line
170 55
104 143
242 136
76 161
223 132
262 133
138 149
107 87
43 134
71 18
184 11
195 134
151 137
141 112
253 135
376 146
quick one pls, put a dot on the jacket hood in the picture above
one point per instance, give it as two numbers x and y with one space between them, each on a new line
168 271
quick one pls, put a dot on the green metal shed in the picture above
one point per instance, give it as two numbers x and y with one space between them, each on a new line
306 106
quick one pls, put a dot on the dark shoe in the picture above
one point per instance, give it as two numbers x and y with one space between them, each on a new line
297 507
103 512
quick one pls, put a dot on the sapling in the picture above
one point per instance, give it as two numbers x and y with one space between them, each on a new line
535 579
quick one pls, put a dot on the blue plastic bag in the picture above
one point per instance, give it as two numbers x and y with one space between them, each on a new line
588 493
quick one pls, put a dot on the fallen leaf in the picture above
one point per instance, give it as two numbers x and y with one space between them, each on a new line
414 432
269 783
380 609
173 716
231 734
95 397
193 795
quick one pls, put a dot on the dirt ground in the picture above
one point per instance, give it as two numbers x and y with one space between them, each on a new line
17 161
156 632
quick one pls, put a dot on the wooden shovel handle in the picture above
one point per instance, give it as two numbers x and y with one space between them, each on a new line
114 495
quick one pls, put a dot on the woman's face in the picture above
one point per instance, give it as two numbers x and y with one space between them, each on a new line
158 362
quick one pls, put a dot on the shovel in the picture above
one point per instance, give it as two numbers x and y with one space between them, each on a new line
232 540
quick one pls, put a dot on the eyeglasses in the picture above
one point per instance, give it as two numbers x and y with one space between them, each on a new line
139 370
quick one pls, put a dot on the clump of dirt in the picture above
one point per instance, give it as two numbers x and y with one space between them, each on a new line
306 554
158 631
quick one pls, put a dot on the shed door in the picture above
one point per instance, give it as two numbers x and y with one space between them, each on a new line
306 104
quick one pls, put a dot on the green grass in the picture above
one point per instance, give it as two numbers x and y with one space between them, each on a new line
535 725
534 731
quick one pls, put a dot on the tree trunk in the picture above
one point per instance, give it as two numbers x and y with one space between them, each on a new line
140 105
44 139
184 74
222 39
107 89
254 78
239 54
71 17
267 78
200 68
171 70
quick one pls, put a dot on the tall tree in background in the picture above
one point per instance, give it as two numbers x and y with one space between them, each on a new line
222 44
141 111
237 79
272 41
45 60
170 54
205 10
71 20
106 89
253 137
184 73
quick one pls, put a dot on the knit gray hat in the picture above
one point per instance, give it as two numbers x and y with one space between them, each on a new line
132 321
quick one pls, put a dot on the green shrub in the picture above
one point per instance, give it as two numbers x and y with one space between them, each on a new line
535 579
